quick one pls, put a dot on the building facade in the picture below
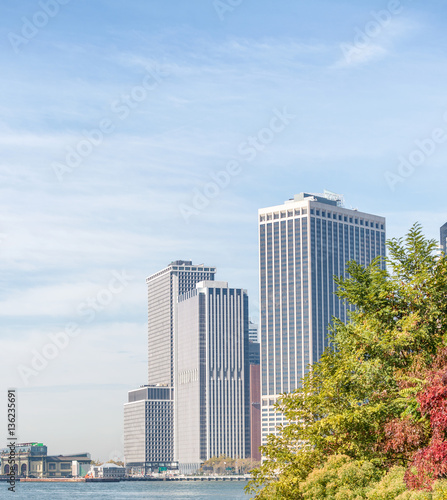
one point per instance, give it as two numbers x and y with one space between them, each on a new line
213 374
253 332
144 452
32 460
163 288
255 412
107 471
149 430
303 243
443 239
254 346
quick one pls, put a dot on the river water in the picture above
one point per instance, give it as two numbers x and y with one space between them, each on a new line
153 490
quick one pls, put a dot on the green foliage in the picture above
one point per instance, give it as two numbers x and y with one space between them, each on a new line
368 380
440 490
390 486
341 478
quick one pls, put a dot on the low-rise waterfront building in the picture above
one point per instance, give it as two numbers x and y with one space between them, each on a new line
32 460
108 470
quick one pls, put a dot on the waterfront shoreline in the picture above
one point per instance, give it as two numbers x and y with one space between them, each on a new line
127 479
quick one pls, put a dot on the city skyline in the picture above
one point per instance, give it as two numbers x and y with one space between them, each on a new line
134 136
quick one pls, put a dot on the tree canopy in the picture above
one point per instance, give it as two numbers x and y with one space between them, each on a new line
377 395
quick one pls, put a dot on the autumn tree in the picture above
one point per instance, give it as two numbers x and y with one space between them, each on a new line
364 387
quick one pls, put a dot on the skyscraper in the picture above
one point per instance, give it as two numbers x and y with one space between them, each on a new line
303 244
150 414
443 240
163 288
149 430
213 374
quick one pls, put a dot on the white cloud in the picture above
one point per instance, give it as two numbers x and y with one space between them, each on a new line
374 41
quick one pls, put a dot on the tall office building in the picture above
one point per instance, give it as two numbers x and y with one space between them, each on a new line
213 374
163 288
149 440
149 430
443 239
303 244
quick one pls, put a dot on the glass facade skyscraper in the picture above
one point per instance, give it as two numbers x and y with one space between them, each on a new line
302 245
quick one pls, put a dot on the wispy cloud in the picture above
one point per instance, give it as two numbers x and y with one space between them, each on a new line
376 40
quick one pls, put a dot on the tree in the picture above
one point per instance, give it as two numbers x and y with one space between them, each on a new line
245 465
365 383
116 462
219 464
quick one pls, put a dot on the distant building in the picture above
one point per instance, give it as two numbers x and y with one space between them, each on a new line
163 288
149 430
32 460
253 332
79 469
147 444
254 345
303 243
255 392
109 470
444 238
255 411
254 353
213 374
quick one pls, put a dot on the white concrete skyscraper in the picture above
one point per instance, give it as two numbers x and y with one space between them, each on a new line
213 374
150 414
302 245
163 288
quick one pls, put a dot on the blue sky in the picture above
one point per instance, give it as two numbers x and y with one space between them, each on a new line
116 119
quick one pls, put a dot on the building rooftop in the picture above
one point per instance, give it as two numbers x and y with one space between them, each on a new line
327 197
182 265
